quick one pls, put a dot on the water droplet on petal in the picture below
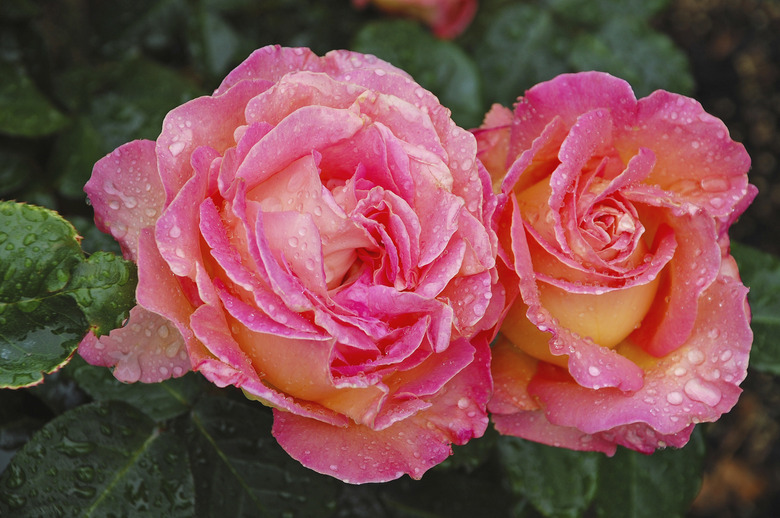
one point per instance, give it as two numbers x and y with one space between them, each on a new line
695 356
594 371
674 398
174 232
702 391
176 148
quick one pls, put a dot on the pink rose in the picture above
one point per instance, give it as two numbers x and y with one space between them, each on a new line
447 18
629 322
316 234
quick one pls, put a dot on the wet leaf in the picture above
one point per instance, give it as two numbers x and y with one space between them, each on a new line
50 293
443 68
557 482
40 326
521 45
160 401
104 287
634 485
102 459
240 471
453 493
633 51
596 11
761 273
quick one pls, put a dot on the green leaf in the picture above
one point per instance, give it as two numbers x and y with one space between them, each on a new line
104 287
442 67
24 110
558 482
121 101
633 51
50 294
240 470
521 45
634 485
160 401
450 493
597 11
761 273
102 459
40 326
137 97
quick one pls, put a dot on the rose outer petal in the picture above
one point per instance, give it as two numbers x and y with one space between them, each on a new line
697 383
148 349
125 191
358 454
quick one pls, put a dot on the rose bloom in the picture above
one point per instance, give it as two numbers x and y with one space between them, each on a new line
629 322
447 18
315 233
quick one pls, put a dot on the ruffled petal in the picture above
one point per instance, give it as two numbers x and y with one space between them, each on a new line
148 349
126 193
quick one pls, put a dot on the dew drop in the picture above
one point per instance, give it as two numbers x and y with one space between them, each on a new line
463 403
163 331
696 357
176 148
594 371
703 391
674 398
174 232
113 204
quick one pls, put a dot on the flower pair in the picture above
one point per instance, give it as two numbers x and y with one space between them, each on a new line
321 234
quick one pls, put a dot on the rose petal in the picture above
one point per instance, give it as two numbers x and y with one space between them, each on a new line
148 349
357 454
697 383
205 121
695 156
125 191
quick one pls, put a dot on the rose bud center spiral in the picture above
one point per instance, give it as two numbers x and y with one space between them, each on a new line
607 230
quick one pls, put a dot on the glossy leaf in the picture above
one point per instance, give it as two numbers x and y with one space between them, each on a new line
240 471
50 294
631 50
634 485
104 287
40 325
160 401
556 481
443 68
761 273
102 459
521 46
